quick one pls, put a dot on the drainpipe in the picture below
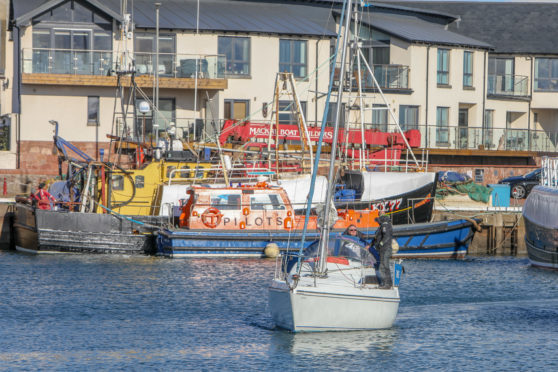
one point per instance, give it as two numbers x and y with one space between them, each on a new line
426 95
316 88
483 131
529 111
16 90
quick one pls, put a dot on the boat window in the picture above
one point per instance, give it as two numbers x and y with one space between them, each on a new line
276 202
266 202
226 201
169 170
140 181
185 171
118 182
199 172
346 246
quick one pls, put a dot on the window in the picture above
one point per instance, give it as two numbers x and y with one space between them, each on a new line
236 109
71 39
546 74
288 112
293 56
500 75
167 114
408 117
266 202
69 51
443 67
237 53
226 201
331 112
379 117
467 69
145 50
118 182
488 132
442 130
93 110
139 182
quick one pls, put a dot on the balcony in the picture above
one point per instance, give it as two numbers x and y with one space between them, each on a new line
96 68
389 77
513 86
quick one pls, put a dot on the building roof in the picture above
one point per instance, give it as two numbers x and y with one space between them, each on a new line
285 18
511 27
415 29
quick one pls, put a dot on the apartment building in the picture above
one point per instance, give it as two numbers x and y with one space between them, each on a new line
220 61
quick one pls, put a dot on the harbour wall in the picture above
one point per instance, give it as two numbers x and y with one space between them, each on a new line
502 233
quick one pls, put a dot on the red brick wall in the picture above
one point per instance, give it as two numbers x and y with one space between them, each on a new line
37 163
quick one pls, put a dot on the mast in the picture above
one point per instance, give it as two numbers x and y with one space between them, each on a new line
325 229
320 141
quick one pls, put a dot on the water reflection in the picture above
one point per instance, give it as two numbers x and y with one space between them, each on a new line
338 343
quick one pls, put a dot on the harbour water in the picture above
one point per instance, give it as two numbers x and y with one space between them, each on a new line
84 312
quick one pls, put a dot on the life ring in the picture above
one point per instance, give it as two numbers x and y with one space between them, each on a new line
242 225
246 211
211 217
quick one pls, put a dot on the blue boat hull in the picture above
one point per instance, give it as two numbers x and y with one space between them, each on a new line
423 240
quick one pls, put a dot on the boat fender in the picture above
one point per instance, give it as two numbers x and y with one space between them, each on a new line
394 246
288 224
246 211
271 250
242 225
211 217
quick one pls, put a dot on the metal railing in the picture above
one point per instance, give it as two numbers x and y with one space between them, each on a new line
432 136
508 85
102 62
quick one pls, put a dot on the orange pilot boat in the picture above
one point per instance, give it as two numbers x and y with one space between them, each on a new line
244 221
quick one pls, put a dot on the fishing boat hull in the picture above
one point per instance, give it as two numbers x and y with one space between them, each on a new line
426 240
540 214
408 197
46 231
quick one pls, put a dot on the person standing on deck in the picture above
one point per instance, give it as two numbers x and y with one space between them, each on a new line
43 197
382 241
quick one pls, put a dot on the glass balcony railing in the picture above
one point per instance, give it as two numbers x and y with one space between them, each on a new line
388 77
93 62
64 61
508 85
182 65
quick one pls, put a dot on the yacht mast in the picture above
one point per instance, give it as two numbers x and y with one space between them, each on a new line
325 229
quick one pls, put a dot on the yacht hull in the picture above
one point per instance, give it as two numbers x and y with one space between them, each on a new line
326 308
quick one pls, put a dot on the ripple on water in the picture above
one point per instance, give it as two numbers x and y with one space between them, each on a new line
118 312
